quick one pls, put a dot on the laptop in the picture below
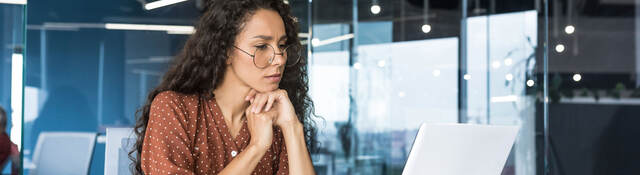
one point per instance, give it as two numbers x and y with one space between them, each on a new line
460 149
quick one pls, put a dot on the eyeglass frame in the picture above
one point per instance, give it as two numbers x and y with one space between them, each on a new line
270 61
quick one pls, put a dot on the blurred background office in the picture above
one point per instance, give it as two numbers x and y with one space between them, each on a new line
73 73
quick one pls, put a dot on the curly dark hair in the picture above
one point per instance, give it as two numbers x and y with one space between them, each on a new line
199 67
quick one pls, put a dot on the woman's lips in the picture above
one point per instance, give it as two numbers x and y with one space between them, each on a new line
274 78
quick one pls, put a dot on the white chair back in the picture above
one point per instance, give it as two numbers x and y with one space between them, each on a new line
63 153
119 142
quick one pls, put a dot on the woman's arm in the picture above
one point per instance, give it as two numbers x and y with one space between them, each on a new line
261 129
166 148
246 161
297 153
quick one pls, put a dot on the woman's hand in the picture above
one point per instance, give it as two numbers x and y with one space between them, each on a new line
278 100
260 127
261 130
299 160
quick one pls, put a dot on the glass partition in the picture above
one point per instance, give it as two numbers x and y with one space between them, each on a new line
91 64
594 87
565 71
380 68
12 54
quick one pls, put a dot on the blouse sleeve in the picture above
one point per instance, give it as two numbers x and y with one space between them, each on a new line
166 148
283 159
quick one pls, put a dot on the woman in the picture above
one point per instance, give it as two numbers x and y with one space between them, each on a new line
235 101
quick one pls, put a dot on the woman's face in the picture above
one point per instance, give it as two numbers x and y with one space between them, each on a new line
264 28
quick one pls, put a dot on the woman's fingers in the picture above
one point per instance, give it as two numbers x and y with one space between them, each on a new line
260 127
251 95
248 113
282 93
254 103
269 115
265 101
259 102
270 102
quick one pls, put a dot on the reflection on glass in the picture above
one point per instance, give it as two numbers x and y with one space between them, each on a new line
377 70
594 87
12 58
90 68
403 67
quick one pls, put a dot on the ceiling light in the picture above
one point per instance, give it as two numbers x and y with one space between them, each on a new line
375 9
560 48
426 28
577 77
569 29
160 3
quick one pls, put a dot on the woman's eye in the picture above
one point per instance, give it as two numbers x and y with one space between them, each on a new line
282 46
261 46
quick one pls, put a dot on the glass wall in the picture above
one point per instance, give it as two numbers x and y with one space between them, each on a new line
380 68
566 71
12 53
90 65
88 72
594 87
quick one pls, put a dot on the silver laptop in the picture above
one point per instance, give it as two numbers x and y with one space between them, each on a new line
460 149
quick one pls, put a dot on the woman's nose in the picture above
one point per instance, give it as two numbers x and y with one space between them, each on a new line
279 59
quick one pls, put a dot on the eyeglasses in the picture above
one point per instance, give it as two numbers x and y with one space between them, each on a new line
264 54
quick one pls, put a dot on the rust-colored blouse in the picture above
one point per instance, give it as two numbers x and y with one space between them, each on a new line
188 135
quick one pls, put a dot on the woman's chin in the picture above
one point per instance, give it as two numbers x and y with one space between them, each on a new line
267 88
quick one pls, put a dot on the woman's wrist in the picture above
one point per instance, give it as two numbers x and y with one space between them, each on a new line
295 128
258 147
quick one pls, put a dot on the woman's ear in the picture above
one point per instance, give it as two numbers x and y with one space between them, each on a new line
228 60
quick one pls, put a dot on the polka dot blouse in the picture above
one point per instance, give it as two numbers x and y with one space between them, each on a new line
188 135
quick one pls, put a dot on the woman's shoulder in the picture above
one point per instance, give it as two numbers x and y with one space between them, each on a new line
170 108
174 98
173 95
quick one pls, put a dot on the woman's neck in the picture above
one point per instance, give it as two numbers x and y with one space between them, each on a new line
230 96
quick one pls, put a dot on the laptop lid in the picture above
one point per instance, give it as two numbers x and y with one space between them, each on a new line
460 149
